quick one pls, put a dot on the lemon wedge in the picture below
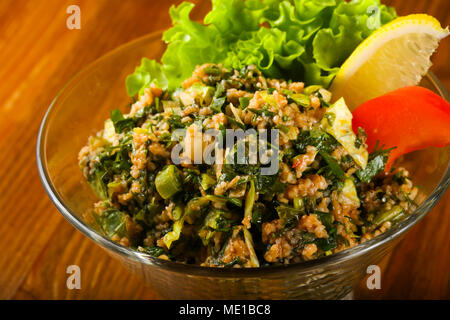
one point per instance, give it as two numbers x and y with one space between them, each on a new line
394 56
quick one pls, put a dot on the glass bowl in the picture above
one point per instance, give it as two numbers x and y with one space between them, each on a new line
79 111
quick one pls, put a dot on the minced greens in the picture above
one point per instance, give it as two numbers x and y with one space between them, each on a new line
317 202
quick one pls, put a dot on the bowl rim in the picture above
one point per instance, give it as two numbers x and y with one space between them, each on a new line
197 270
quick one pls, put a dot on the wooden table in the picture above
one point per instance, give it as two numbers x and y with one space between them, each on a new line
38 56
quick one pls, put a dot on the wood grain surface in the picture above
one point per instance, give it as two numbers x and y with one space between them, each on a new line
38 55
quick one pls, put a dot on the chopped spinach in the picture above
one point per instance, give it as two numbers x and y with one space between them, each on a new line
377 162
334 167
316 137
217 104
121 124
154 251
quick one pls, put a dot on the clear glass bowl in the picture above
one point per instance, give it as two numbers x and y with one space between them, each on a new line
79 111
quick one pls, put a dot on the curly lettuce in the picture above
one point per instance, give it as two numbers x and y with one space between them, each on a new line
302 40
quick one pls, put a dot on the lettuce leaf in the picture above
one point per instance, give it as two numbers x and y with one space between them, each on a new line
350 24
302 40
148 72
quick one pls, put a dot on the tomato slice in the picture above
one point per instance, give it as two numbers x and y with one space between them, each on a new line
409 119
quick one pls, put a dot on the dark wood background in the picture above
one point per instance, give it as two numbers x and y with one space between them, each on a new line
38 55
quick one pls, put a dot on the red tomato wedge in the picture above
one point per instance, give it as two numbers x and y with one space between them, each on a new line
410 118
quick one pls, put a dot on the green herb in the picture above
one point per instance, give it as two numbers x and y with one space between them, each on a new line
326 219
220 89
233 262
193 177
333 165
113 161
250 201
175 234
390 215
330 118
326 244
262 112
217 104
283 128
285 212
235 122
168 181
153 251
300 99
212 70
215 220
121 124
268 184
377 162
207 181
196 205
158 105
259 212
113 222
147 214
317 138
244 102
175 122
311 89
299 204
235 201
